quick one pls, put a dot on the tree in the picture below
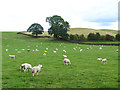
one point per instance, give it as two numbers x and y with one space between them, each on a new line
117 37
91 37
109 37
97 36
82 37
35 29
59 27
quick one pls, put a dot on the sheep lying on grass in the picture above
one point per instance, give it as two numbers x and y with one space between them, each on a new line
12 56
25 67
36 69
66 61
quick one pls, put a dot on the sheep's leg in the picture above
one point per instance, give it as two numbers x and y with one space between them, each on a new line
37 73
33 75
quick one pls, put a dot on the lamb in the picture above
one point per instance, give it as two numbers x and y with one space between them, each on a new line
64 51
54 51
36 69
99 59
64 56
25 67
66 61
104 60
12 56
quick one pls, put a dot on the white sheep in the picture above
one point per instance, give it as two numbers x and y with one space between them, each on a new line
81 50
19 52
104 60
54 51
6 50
36 50
64 51
64 56
46 48
44 54
66 61
87 48
45 51
25 67
23 49
12 56
74 48
117 50
99 59
16 49
100 48
36 69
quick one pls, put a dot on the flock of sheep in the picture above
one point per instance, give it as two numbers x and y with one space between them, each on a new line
36 69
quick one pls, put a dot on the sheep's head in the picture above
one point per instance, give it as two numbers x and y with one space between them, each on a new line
40 65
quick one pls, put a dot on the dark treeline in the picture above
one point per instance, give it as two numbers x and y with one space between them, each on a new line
94 37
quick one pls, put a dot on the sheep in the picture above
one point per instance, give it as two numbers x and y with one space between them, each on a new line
25 67
16 49
87 48
99 59
23 49
64 56
74 48
44 54
6 50
81 50
36 50
28 50
45 51
104 60
36 69
12 56
46 48
64 51
117 50
66 61
100 48
54 51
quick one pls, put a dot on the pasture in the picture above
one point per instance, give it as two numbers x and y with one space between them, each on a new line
84 72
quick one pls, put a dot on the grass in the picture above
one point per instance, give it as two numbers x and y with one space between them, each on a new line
84 72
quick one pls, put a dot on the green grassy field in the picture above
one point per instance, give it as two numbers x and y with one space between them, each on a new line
84 72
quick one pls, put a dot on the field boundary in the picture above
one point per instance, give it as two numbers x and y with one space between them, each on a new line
71 41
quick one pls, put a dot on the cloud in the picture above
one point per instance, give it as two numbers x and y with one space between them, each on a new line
18 15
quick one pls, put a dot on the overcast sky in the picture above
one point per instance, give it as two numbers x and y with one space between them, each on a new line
18 15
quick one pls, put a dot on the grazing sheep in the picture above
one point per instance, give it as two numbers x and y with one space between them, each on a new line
64 56
6 50
104 60
28 50
45 51
12 56
64 51
36 69
46 48
100 48
66 61
25 67
81 50
99 59
44 54
117 50
54 51
23 49
36 50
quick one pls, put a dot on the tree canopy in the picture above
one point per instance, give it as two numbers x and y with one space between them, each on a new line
59 27
35 29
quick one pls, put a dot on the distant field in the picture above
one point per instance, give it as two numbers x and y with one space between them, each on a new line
86 31
84 72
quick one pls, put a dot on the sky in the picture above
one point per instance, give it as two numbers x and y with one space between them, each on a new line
18 15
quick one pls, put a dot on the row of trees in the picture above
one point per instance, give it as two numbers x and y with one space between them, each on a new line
59 27
94 37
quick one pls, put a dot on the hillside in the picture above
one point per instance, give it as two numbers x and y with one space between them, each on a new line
86 31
